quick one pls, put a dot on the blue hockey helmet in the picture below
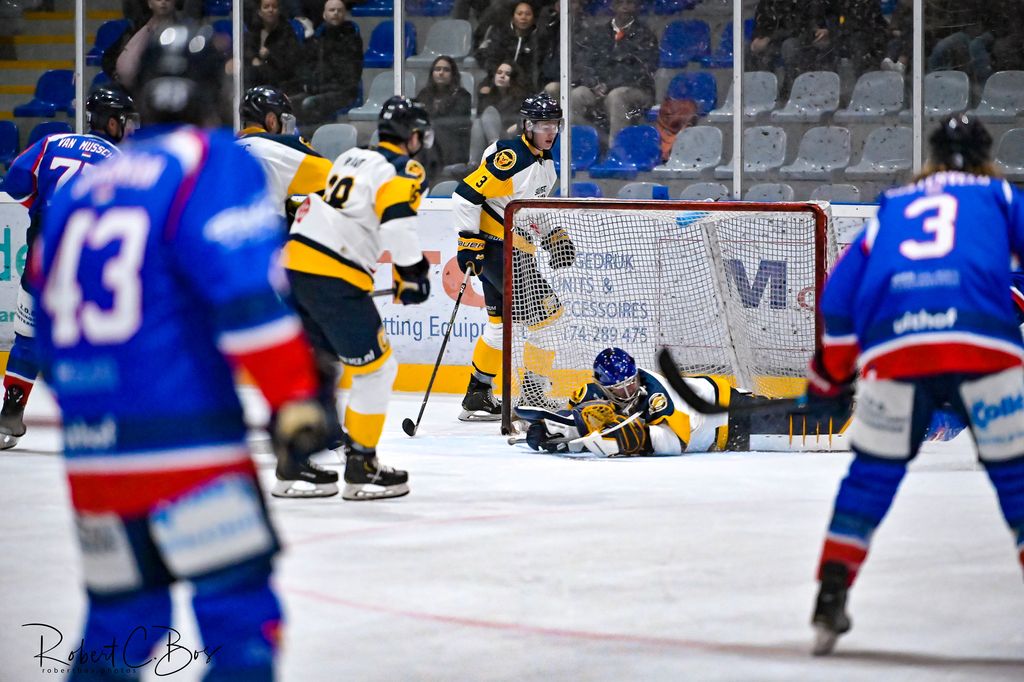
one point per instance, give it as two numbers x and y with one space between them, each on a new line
615 372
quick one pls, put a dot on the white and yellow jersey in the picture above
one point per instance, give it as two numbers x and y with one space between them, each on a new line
369 206
291 166
511 169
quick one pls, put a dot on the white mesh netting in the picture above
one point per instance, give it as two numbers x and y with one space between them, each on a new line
731 293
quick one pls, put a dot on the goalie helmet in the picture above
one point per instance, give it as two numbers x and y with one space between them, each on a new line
400 118
960 142
615 372
182 78
264 99
111 101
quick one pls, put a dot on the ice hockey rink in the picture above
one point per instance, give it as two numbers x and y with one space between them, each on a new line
504 564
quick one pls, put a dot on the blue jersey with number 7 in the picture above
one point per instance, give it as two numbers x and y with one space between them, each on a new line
922 290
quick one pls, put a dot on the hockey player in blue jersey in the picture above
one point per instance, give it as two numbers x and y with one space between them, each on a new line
32 180
155 277
917 312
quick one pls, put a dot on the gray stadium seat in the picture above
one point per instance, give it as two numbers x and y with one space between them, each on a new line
443 189
813 95
841 194
381 88
887 151
823 150
764 149
643 190
1010 153
944 93
695 150
770 191
876 95
760 91
452 37
331 139
1003 97
702 191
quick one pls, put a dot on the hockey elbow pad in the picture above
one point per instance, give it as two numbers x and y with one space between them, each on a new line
561 248
298 429
412 282
470 255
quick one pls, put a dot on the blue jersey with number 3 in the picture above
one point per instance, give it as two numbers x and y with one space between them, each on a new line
923 289
155 266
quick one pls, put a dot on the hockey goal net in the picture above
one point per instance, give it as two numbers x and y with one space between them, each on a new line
729 288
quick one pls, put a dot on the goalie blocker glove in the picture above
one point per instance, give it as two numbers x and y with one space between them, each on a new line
412 282
560 247
470 255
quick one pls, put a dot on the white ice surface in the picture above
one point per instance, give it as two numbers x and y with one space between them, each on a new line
504 564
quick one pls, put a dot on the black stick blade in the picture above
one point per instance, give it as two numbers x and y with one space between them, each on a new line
409 426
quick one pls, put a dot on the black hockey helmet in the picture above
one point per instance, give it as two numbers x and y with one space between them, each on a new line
960 142
264 99
401 117
182 78
108 101
541 107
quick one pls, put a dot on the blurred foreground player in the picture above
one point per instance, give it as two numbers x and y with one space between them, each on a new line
368 207
33 179
154 284
917 308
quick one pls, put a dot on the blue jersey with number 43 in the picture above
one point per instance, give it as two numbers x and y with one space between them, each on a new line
150 274
923 289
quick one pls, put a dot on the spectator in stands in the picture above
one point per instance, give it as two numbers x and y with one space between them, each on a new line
449 105
512 41
271 50
121 60
505 92
333 67
616 70
462 8
860 33
549 51
965 38
1006 26
900 38
790 37
137 12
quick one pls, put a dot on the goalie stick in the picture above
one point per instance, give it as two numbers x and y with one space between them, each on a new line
670 371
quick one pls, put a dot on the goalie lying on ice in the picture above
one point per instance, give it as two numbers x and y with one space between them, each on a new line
626 411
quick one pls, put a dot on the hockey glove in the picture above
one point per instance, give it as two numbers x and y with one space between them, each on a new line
538 438
560 247
471 253
825 396
298 429
631 439
412 282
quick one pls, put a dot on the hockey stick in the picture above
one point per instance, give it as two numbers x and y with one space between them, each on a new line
382 292
410 426
670 371
534 414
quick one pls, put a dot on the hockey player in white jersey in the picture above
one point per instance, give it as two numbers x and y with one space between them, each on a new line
368 207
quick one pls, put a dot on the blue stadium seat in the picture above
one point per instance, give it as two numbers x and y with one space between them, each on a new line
216 8
99 79
583 190
8 142
55 91
47 128
584 148
721 58
700 86
300 30
380 53
429 8
684 41
374 8
106 35
673 6
636 149
643 190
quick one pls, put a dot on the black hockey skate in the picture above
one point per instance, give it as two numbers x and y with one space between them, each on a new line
533 392
830 619
12 423
304 479
480 405
368 479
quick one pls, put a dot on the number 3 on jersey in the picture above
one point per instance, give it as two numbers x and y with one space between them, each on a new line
62 296
942 226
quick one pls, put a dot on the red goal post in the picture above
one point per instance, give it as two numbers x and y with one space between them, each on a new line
729 287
